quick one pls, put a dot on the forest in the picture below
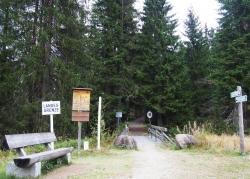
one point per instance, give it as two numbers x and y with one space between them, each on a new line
135 61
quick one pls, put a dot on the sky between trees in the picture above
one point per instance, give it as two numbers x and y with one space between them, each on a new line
206 10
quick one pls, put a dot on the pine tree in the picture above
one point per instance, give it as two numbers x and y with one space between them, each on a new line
11 48
113 33
162 74
231 49
197 59
44 55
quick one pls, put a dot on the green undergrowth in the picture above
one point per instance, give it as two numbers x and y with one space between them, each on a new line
5 156
50 165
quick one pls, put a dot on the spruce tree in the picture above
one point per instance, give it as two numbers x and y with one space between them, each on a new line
43 55
162 74
231 54
113 33
197 59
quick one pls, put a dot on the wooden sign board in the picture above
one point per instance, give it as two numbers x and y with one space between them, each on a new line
80 116
81 100
241 99
81 104
234 94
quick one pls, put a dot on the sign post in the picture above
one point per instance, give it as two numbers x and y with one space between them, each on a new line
149 116
51 108
80 110
239 99
118 115
241 124
99 124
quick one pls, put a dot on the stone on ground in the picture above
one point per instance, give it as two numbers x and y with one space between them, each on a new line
125 141
185 140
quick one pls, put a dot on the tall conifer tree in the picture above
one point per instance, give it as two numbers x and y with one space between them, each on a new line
162 74
232 53
113 33
197 59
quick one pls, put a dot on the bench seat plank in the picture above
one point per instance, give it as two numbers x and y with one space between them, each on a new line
29 160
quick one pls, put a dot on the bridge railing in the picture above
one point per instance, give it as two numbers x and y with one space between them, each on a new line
160 133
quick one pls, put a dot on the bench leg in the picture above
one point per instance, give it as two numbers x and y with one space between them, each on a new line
33 171
68 158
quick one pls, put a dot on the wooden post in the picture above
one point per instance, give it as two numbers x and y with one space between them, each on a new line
79 137
52 129
99 124
118 122
241 124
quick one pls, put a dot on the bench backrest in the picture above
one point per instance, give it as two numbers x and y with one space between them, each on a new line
16 141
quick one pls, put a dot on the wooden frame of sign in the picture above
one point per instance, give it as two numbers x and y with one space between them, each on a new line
81 104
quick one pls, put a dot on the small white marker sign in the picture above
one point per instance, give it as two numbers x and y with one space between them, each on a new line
51 107
235 94
149 114
118 114
241 99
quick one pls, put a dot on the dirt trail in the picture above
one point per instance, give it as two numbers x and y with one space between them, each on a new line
149 161
154 161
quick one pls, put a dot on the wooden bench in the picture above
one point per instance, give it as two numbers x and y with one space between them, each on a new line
30 165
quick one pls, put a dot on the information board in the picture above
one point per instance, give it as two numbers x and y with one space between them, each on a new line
81 100
81 104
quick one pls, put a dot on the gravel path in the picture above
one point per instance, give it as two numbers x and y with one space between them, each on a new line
154 162
149 161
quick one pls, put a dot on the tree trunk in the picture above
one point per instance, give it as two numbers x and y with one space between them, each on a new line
34 33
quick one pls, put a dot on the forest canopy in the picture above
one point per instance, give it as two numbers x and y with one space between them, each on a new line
47 47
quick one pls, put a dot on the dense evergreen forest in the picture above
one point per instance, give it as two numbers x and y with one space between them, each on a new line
136 62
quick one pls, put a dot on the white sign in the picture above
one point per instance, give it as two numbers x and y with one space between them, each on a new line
51 107
149 114
241 99
118 114
235 94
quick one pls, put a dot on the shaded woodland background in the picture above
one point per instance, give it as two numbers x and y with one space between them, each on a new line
136 62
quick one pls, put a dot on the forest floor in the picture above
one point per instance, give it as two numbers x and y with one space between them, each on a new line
154 160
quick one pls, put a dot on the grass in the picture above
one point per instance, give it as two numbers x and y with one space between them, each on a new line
214 164
5 156
213 143
221 143
110 163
